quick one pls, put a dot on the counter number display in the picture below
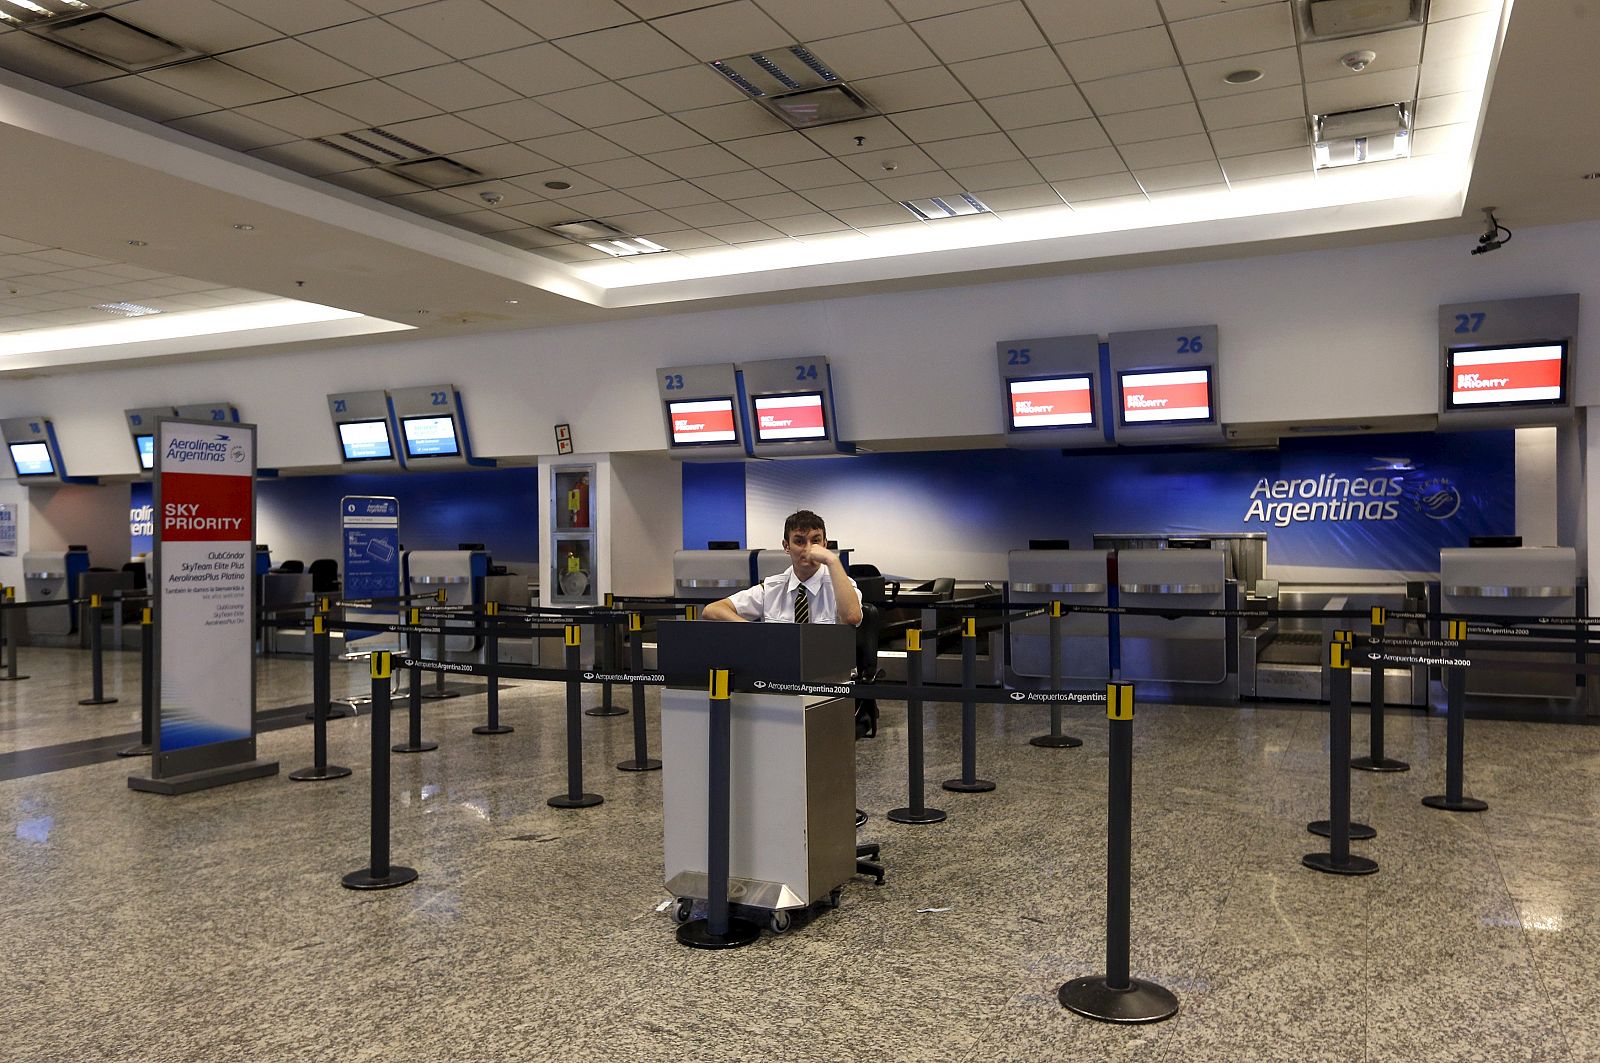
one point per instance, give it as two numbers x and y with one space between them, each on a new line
147 451
365 441
1169 396
795 416
1524 374
430 437
1051 402
32 459
702 422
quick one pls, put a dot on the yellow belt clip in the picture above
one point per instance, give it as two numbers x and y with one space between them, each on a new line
382 662
574 634
1119 701
718 684
913 640
969 627
1457 630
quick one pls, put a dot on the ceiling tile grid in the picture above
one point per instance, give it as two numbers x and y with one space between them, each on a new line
1051 100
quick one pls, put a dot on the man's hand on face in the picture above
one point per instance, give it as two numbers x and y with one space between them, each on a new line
819 555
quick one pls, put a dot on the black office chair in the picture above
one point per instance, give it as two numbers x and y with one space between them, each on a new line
944 587
137 568
324 575
867 670
871 583
292 567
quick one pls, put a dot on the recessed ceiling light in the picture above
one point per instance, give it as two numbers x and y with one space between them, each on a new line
513 302
558 185
245 228
1592 176
962 206
628 246
1242 77
436 171
136 243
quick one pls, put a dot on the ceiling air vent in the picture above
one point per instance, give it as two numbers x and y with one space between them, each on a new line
1322 20
794 85
109 39
435 171
961 206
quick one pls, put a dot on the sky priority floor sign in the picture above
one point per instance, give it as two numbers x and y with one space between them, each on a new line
205 602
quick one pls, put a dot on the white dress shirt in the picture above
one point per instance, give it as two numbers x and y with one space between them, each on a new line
772 600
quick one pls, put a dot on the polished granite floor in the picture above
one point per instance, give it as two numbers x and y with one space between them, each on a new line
213 926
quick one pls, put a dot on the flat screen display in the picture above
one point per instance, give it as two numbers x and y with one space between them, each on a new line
430 437
365 440
1051 402
147 450
32 459
1529 374
1167 396
787 418
697 422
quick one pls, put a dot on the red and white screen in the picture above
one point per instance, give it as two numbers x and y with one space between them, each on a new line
1054 403
1179 395
702 421
780 417
1518 374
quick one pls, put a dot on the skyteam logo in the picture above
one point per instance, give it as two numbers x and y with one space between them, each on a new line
1438 499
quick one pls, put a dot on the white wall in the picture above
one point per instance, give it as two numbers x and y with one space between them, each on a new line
93 515
1314 335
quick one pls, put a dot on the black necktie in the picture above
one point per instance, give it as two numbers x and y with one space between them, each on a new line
802 608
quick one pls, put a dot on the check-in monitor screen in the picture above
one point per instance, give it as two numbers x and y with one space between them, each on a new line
430 437
696 422
365 440
147 450
1051 402
32 459
1168 396
786 418
1533 374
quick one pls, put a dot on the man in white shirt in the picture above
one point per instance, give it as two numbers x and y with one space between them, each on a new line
815 589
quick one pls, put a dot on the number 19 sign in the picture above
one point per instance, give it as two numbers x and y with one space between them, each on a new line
204 608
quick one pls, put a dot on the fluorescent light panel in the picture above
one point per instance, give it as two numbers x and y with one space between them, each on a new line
273 313
110 39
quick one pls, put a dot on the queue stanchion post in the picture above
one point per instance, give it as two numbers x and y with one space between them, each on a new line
12 641
719 929
605 660
574 797
414 742
916 811
642 761
147 700
1376 760
1455 693
491 663
380 874
1117 996
97 658
1056 739
969 783
1338 860
321 697
321 664
1323 828
439 693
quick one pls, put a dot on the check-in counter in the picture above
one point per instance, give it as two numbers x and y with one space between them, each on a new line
459 573
1072 577
51 576
1192 651
1516 581
711 575
1287 658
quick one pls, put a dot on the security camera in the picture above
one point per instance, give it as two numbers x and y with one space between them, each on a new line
491 198
1491 240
